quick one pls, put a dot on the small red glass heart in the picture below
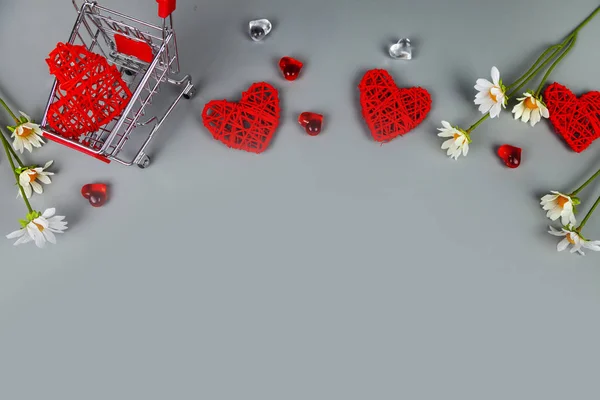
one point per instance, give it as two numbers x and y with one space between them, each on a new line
290 67
311 122
96 193
511 155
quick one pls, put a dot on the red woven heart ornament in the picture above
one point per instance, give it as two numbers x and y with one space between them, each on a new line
90 91
248 125
577 120
390 111
69 63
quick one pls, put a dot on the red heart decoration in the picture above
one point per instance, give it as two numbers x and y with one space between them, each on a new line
390 111
247 125
90 92
577 120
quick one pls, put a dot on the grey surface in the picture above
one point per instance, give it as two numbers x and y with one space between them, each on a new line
328 267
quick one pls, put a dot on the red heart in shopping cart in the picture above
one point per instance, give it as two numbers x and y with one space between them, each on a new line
247 125
90 92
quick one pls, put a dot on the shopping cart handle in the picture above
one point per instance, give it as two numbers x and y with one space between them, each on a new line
165 7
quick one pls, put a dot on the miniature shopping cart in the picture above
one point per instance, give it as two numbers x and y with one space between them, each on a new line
146 56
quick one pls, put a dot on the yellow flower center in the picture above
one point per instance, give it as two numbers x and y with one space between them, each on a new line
530 103
561 201
24 131
570 239
40 227
456 136
493 96
32 176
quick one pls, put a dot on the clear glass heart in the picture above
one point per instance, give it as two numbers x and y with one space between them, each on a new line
401 50
259 28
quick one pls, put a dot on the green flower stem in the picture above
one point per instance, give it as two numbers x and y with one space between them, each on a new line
571 39
558 49
14 153
589 214
554 64
12 114
15 156
580 188
533 67
12 164
476 124
586 21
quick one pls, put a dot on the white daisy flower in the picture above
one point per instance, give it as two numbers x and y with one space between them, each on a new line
574 238
39 228
27 134
530 109
561 206
458 143
491 97
28 179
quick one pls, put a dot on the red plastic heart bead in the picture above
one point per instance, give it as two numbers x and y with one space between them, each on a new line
290 67
511 155
96 193
311 122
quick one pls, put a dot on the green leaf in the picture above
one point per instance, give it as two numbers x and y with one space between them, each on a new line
11 128
23 223
575 201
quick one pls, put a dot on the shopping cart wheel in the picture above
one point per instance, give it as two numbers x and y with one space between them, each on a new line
144 162
190 92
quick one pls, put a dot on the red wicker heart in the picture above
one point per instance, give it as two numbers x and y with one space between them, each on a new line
577 120
69 63
90 92
248 125
390 111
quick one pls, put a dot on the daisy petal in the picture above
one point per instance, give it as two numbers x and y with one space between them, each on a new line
49 213
37 236
37 187
595 245
484 84
23 239
556 232
49 236
563 244
16 234
495 76
44 179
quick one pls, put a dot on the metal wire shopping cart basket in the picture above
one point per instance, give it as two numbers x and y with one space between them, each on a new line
146 56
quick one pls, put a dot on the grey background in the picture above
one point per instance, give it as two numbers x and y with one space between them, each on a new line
328 267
